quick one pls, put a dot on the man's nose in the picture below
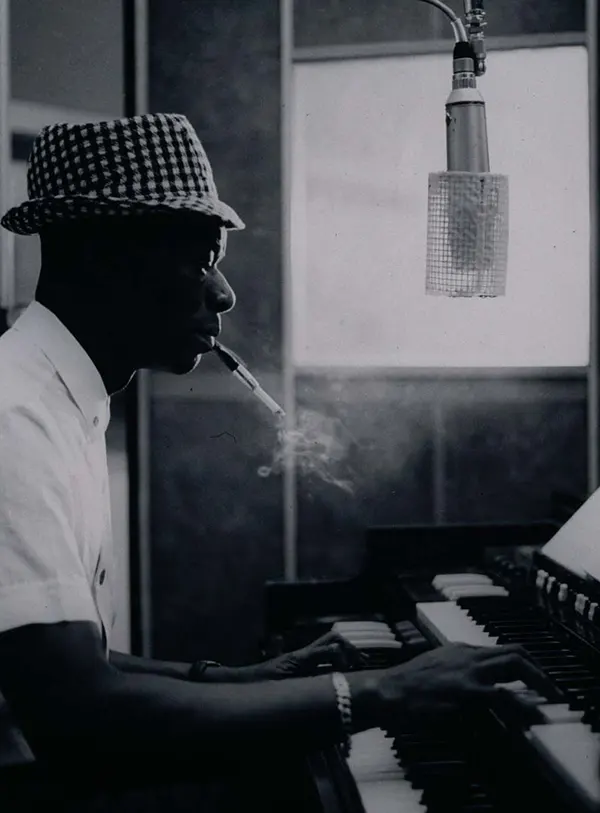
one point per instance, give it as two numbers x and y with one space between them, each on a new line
219 296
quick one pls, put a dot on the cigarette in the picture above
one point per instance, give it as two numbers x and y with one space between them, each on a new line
242 373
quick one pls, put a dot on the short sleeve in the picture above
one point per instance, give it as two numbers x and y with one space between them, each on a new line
42 574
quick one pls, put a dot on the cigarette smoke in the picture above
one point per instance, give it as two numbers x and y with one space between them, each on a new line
320 446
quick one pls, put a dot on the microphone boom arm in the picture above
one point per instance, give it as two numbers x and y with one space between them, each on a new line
475 17
457 24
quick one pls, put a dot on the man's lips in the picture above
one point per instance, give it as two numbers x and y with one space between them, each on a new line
205 340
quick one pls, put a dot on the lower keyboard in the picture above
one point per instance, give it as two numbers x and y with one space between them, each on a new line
413 773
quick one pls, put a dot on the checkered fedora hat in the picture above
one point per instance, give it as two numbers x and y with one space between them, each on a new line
149 163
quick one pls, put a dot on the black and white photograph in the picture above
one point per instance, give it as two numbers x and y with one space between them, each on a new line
299 406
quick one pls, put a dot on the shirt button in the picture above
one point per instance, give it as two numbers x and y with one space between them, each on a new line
96 421
102 577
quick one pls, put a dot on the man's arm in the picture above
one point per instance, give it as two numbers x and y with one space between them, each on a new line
78 712
134 664
72 704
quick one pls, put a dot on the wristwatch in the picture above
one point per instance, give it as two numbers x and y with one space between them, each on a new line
198 668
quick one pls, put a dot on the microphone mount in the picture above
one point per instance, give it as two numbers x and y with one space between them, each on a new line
472 32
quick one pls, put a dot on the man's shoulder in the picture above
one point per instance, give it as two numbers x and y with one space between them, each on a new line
26 413
25 372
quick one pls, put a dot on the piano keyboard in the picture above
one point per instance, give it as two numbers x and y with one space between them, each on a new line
411 772
412 775
407 773
380 779
382 646
368 634
566 742
450 624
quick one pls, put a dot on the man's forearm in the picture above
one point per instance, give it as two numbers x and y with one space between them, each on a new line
170 722
147 666
135 664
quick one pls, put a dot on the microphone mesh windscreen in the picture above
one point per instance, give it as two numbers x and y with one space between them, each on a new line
467 234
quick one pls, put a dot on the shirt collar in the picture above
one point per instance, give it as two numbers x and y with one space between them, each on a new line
76 369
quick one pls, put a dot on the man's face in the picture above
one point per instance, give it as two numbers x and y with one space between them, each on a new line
179 294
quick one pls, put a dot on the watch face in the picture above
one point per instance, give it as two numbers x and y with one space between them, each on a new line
199 668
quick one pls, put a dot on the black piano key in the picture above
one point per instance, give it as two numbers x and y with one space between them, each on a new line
538 641
538 636
533 647
573 669
560 657
502 604
577 682
518 622
443 768
576 700
455 792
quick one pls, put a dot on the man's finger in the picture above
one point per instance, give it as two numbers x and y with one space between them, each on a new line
334 651
513 666
328 638
323 653
335 638
486 652
349 647
338 656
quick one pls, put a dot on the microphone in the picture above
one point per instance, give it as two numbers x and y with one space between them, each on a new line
467 217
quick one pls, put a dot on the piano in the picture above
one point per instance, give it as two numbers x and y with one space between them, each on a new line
420 587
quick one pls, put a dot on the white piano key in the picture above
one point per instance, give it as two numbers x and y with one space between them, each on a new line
516 686
354 635
450 624
560 713
524 692
376 643
572 751
454 579
344 626
470 590
388 796
373 635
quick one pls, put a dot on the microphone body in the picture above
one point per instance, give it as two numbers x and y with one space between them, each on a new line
467 232
466 131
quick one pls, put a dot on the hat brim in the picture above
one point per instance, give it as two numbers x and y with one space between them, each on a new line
33 215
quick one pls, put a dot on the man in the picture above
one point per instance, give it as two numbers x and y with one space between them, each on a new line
132 231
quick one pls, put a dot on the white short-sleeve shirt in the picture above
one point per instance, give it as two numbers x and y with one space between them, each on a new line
55 525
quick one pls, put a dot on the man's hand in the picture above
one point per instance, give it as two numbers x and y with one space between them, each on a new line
453 679
329 653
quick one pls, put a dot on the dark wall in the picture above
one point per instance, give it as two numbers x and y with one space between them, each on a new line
218 63
68 53
217 527
427 451
417 450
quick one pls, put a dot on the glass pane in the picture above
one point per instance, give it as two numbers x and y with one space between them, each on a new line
366 133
